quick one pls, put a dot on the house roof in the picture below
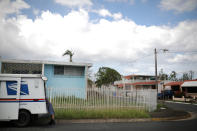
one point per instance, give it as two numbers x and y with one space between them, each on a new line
145 83
192 83
180 83
175 83
46 62
138 83
129 76
120 85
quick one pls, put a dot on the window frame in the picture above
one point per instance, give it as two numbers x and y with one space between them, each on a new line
73 71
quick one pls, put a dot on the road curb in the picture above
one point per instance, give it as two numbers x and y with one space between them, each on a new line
61 121
103 120
188 115
179 102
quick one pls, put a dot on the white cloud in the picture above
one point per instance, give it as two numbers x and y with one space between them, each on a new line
74 3
117 16
131 70
105 42
178 6
106 13
181 58
36 12
8 7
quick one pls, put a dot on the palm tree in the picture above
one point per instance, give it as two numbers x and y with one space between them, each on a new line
70 53
173 75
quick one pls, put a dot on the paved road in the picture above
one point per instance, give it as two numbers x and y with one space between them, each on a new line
182 106
184 125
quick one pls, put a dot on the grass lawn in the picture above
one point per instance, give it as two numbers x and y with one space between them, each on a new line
100 113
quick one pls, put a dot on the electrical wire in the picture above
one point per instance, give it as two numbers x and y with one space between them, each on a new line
183 52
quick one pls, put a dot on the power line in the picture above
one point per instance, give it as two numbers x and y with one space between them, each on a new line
129 63
171 51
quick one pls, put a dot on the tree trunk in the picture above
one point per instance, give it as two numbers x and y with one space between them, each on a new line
70 58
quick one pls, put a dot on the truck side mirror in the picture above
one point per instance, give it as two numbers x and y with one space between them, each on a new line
44 78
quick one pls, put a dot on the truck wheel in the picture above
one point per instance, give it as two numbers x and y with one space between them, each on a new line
23 119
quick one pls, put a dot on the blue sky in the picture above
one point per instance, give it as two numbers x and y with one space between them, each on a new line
121 34
147 13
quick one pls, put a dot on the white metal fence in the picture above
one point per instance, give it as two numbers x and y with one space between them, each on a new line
102 98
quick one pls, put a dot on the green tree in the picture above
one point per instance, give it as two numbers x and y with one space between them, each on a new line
162 75
106 76
90 83
191 74
70 53
185 77
173 76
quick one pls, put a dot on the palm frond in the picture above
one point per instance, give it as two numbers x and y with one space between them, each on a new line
68 52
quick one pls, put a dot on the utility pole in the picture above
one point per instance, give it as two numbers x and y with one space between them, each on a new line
0 65
156 79
156 85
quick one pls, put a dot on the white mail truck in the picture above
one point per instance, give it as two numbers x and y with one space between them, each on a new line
22 96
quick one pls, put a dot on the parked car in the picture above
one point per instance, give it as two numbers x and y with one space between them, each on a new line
167 94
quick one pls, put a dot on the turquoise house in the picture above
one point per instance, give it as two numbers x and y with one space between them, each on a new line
65 76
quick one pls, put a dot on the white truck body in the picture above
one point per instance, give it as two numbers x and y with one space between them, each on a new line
21 91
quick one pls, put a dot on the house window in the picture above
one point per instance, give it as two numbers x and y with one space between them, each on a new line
58 70
69 70
21 68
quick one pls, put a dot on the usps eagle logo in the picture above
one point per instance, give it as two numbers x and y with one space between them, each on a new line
12 88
